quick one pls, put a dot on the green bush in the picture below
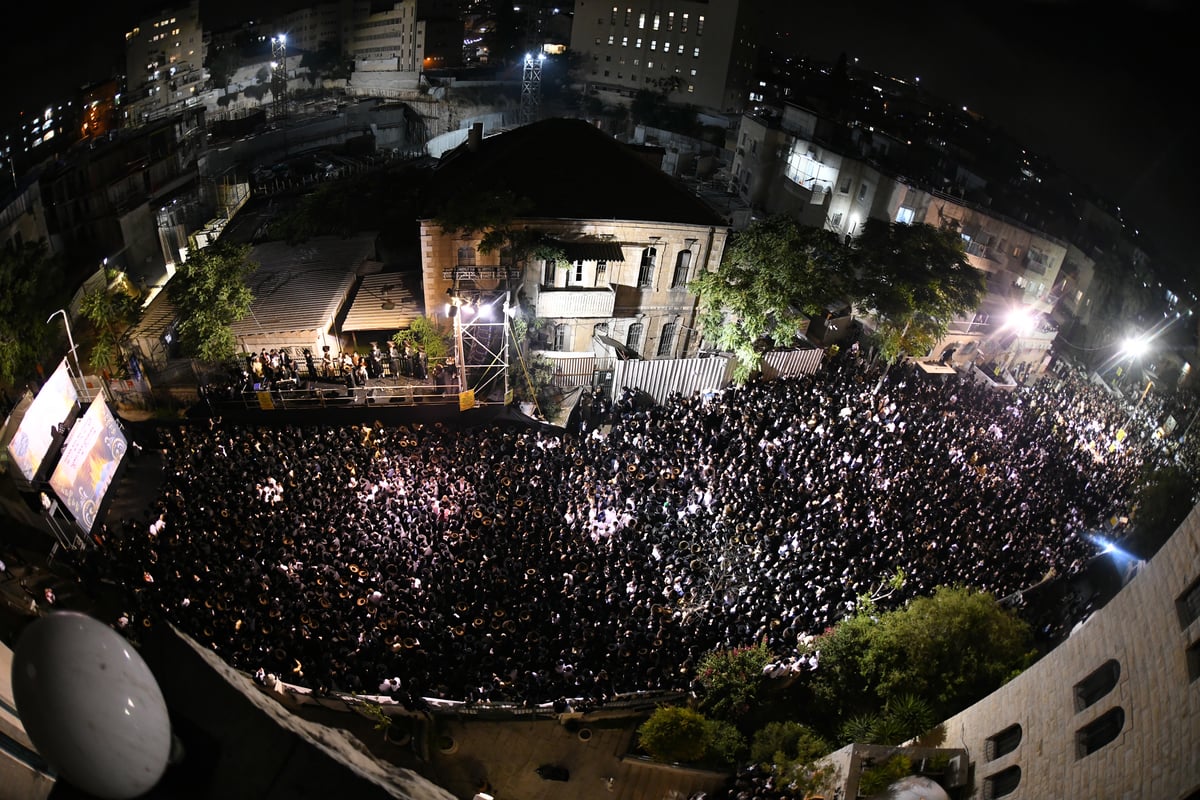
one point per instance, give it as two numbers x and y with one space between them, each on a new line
878 778
790 741
726 745
675 734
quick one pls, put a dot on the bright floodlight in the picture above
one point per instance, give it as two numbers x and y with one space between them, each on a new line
1021 319
1135 346
283 37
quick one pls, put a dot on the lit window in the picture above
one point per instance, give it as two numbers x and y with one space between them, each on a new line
691 88
696 52
670 20
657 18
699 25
905 215
653 44
680 50
683 24
624 41
693 72
612 39
649 65
642 21
613 19
638 43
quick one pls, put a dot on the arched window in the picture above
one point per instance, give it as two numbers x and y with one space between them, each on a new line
666 340
561 332
646 271
683 263
1003 783
1089 690
466 256
1099 732
633 339
1002 743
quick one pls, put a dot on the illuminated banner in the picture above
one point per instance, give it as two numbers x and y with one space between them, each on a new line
51 407
90 457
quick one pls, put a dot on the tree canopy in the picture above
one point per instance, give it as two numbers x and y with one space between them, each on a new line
29 281
915 279
950 649
773 274
210 293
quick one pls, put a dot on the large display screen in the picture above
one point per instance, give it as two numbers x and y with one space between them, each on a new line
51 407
90 457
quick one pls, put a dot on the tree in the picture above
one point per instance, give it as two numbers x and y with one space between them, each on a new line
949 650
1164 499
772 275
222 63
731 680
210 293
110 314
915 279
424 333
675 734
790 751
29 279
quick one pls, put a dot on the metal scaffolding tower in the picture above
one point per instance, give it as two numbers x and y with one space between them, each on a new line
279 76
481 343
531 88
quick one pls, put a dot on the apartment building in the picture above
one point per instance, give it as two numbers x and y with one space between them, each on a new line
413 35
706 49
164 63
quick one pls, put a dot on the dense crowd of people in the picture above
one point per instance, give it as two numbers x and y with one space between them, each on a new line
502 563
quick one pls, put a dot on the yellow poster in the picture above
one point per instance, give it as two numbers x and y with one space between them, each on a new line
265 402
466 400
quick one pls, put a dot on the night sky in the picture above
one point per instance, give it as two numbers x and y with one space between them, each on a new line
1103 89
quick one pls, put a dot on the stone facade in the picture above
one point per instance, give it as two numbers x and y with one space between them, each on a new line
648 309
1148 631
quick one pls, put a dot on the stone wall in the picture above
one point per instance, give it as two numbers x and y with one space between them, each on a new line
1142 630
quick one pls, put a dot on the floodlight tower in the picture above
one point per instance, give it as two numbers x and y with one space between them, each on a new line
531 87
279 75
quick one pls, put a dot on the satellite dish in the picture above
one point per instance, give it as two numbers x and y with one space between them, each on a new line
90 705
387 305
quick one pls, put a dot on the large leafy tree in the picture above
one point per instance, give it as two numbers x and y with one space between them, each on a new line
111 313
29 279
949 649
773 274
915 279
210 293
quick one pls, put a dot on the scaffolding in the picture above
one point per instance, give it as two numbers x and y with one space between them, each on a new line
531 88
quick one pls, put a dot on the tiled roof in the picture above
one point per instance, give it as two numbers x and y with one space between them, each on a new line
567 169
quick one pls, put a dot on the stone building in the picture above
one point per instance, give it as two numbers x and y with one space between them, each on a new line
1114 711
629 236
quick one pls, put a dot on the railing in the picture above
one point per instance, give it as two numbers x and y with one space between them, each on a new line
330 397
480 273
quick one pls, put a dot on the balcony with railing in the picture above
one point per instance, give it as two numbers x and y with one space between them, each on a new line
564 303
473 273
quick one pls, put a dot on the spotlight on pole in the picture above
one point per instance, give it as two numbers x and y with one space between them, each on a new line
1135 346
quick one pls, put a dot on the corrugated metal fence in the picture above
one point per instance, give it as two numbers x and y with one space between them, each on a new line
660 379
785 363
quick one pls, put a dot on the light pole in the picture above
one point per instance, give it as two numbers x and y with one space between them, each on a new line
71 342
279 75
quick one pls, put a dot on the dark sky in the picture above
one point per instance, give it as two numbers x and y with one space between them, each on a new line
1102 88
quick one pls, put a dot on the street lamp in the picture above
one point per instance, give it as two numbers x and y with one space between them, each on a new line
70 341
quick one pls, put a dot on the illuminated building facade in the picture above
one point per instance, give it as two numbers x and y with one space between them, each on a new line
164 62
707 50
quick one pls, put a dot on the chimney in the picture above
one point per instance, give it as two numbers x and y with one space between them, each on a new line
474 137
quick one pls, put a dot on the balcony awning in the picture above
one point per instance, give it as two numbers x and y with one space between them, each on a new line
589 249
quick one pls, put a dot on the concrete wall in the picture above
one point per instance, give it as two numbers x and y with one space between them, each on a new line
1157 752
